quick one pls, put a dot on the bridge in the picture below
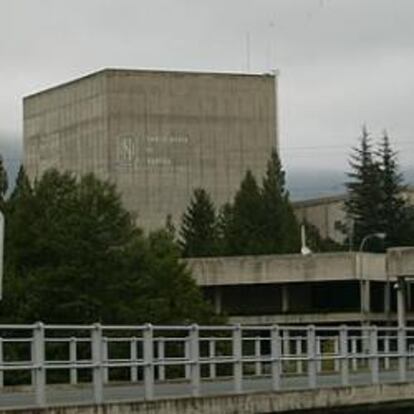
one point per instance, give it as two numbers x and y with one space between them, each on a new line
215 368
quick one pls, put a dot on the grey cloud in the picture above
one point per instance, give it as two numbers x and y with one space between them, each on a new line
343 62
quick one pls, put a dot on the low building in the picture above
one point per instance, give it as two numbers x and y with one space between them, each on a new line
325 288
328 214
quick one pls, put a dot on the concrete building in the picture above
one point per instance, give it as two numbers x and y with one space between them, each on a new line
328 214
327 288
157 135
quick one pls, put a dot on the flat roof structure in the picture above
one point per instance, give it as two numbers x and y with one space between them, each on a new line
293 268
157 135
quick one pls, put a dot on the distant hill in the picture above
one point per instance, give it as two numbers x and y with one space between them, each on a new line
309 183
303 183
11 151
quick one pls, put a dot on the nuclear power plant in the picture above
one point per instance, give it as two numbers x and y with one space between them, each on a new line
157 135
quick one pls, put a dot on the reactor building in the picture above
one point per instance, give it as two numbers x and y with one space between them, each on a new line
157 135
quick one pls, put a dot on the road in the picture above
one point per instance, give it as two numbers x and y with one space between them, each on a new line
83 394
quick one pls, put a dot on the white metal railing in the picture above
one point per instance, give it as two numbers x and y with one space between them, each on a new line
152 356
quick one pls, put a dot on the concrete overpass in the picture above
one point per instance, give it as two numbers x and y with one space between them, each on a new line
206 369
323 288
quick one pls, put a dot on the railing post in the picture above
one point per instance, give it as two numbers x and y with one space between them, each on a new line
402 354
1 363
319 349
161 355
299 363
374 360
97 363
39 363
354 349
133 357
148 362
336 352
257 353
105 359
212 354
187 367
276 351
73 360
237 357
195 361
343 350
311 342
387 351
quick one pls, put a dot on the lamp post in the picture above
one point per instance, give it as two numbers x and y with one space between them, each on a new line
364 290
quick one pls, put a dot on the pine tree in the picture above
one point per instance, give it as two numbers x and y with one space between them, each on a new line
281 230
394 210
224 229
243 232
365 194
4 183
199 237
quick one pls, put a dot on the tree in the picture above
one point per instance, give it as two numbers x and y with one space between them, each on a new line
242 223
4 182
317 243
365 194
168 293
75 256
394 212
199 237
281 230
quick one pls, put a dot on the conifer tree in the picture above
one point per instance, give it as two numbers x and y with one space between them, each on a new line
365 194
199 237
394 210
4 182
243 232
73 255
281 229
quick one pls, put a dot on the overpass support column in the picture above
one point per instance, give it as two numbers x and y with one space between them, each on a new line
285 298
401 302
218 300
366 297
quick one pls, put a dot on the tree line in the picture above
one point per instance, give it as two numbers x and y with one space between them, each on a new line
260 220
74 255
377 201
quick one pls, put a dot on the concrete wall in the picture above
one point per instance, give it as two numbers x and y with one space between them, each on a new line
400 261
328 214
287 268
157 135
253 403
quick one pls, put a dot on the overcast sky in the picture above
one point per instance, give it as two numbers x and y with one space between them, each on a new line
342 62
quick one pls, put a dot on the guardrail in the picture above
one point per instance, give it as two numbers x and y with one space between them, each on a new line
148 355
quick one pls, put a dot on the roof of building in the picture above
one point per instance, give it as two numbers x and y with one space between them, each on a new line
106 71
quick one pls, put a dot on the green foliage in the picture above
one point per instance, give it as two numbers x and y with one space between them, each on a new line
375 196
260 220
242 222
395 213
199 233
317 243
73 255
281 229
4 182
364 190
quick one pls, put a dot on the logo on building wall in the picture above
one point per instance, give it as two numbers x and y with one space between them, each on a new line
153 150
